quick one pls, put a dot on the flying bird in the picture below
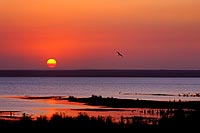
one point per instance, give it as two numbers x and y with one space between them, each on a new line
119 54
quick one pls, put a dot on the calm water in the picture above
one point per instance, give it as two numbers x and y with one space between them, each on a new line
133 88
107 87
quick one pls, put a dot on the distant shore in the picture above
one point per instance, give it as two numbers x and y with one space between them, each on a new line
99 73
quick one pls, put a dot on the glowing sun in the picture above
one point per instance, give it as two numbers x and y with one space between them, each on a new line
51 63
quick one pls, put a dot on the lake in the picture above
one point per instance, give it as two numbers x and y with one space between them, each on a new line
167 89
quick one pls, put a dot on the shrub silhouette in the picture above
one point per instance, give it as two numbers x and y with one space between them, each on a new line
181 119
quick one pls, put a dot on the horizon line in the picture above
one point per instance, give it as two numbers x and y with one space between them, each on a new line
99 69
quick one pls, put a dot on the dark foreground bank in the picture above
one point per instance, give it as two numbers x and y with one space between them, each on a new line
171 120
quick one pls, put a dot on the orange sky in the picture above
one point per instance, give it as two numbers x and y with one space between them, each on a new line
85 34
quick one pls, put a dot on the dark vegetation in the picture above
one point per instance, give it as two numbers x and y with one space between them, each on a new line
170 120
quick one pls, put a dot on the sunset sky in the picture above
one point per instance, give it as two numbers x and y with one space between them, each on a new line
85 34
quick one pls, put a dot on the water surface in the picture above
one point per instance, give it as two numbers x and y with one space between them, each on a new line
131 88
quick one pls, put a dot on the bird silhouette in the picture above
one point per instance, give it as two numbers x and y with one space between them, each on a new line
119 54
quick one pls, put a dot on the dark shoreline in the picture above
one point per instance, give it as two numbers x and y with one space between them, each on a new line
131 103
99 73
125 103
175 116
